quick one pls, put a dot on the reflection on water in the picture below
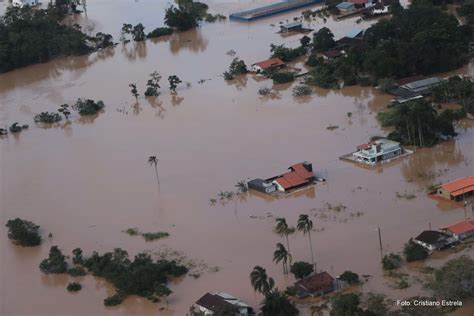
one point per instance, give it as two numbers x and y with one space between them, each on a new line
192 40
134 50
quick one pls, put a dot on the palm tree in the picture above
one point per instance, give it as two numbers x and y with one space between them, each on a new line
281 254
260 281
153 161
305 225
283 229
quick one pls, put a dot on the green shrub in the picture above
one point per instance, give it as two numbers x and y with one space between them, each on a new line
350 277
391 261
88 107
301 269
23 232
55 263
160 31
74 287
47 117
414 251
283 77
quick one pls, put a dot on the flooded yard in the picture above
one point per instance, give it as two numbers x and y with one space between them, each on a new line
88 180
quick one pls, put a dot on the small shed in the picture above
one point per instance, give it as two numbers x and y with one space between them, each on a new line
294 26
434 240
261 185
346 7
458 189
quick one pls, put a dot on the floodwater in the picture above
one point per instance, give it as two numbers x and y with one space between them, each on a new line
88 180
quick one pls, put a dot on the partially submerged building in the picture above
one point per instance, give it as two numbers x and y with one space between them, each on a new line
461 230
315 285
272 9
21 3
434 240
267 65
346 7
298 176
415 87
212 303
457 190
377 151
293 26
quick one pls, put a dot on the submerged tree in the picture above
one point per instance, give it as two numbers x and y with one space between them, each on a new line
64 109
153 161
186 15
282 255
277 303
134 90
260 281
23 232
174 81
153 84
282 229
56 262
305 225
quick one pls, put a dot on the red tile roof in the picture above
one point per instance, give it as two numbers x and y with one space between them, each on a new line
296 177
317 282
363 146
274 62
459 186
461 227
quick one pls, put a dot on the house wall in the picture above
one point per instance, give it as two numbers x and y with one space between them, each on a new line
205 311
443 193
256 68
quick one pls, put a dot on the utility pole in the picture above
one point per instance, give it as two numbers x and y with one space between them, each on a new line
380 242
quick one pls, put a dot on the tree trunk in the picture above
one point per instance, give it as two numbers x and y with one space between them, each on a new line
312 255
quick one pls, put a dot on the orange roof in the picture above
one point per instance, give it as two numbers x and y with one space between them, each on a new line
461 227
274 62
459 186
297 176
363 146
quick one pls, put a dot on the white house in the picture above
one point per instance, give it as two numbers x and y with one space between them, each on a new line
211 303
377 150
21 3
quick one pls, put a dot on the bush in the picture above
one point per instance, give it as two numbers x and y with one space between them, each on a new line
391 261
88 107
74 287
47 117
414 251
160 31
23 232
283 77
113 300
264 91
55 263
302 90
350 277
386 84
301 269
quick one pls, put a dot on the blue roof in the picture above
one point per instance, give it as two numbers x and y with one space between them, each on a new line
354 33
345 5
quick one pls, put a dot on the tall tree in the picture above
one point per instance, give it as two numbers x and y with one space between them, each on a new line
305 225
260 281
277 303
153 161
134 90
282 255
283 229
174 81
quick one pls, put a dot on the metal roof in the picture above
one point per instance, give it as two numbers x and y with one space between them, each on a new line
292 25
345 5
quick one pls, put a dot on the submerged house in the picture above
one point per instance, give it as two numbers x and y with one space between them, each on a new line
293 26
346 7
461 230
457 190
315 285
21 3
299 175
269 64
212 303
377 150
434 240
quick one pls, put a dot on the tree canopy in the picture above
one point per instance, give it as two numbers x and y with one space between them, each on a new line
277 303
414 251
23 232
186 14
29 36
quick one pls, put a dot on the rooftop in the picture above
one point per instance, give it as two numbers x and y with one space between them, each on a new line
316 282
292 25
297 175
273 62
332 53
431 237
423 84
345 5
461 227
459 186
355 33
216 301
384 143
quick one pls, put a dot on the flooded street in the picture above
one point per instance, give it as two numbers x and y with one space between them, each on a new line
87 181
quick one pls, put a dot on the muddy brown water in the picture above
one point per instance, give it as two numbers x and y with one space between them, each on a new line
87 181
